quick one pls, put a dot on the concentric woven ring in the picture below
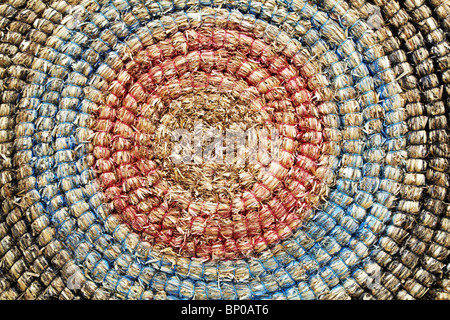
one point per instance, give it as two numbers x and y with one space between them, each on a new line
355 206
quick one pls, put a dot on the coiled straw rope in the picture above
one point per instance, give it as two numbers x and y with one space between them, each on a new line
340 190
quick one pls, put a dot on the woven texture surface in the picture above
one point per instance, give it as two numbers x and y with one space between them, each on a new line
354 206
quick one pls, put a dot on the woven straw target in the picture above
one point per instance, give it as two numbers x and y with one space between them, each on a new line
117 121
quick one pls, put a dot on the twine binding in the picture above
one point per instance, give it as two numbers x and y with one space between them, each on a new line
368 99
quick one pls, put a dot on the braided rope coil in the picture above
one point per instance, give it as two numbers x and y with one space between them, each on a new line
355 205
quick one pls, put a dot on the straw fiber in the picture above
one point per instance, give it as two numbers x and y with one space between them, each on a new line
338 191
